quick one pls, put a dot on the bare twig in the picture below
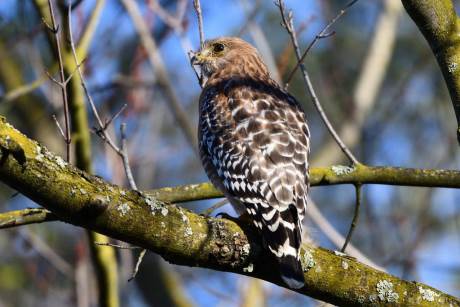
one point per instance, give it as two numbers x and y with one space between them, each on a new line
63 84
105 136
176 23
335 237
59 126
199 15
138 263
323 34
155 59
355 217
117 245
124 156
287 21
217 205
107 123
369 82
121 151
99 131
22 90
46 252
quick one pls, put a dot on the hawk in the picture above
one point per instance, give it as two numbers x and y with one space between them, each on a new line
254 144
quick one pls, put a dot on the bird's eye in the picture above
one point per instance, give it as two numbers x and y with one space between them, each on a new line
218 47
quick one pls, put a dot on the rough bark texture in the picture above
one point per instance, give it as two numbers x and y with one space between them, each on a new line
438 22
185 238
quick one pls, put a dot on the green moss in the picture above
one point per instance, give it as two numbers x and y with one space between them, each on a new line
183 237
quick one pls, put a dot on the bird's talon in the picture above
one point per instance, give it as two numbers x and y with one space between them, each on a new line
224 215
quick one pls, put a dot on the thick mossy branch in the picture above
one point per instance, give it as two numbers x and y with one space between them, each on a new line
438 22
185 238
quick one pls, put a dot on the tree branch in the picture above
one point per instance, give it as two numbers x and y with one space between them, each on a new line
25 217
156 60
336 174
185 238
439 23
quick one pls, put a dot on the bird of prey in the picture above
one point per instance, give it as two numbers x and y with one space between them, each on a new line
254 144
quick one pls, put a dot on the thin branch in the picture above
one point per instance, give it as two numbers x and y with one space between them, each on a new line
214 207
117 245
125 157
335 237
191 54
121 151
22 90
55 30
116 115
105 136
289 26
334 175
354 222
176 23
47 252
323 34
368 82
59 126
99 131
199 15
25 217
138 263
88 32
156 61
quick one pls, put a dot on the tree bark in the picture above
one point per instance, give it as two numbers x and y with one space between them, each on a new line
439 23
185 238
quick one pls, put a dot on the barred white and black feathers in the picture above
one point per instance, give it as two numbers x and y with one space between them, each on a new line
254 145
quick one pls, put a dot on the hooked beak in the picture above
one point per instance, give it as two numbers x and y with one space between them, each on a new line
198 57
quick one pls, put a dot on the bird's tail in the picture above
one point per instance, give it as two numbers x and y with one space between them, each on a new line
291 271
284 242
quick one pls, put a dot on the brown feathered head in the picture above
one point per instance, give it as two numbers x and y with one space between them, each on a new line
230 56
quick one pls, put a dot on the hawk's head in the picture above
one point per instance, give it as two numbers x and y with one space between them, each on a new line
229 56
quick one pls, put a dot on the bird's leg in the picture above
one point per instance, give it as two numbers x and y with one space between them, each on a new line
242 219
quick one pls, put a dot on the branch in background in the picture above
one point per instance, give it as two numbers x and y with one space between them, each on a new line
185 238
180 115
22 90
354 222
259 38
177 24
199 15
25 217
125 158
368 83
104 259
336 174
439 23
289 26
47 252
54 28
335 237
102 126
323 34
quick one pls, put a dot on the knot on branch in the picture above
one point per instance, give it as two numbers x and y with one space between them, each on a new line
93 208
9 146
230 248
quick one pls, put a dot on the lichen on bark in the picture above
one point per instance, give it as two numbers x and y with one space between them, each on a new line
183 237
